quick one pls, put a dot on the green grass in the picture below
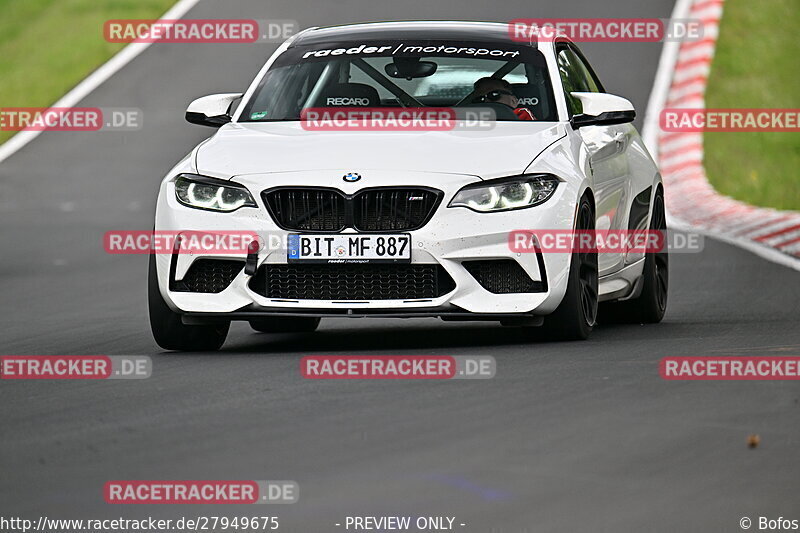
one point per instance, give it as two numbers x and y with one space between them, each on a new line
757 65
48 46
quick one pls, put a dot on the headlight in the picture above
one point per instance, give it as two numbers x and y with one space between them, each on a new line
214 194
515 192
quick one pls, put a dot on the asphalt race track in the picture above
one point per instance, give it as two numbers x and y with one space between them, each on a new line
578 436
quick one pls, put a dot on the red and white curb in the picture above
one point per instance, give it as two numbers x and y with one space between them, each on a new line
692 203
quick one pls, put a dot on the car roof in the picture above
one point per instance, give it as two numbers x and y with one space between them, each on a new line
411 30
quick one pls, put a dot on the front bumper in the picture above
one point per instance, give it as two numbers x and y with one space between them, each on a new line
451 237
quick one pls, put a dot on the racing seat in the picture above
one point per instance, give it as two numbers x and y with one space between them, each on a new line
350 95
530 98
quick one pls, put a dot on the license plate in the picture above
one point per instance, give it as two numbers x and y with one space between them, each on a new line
350 248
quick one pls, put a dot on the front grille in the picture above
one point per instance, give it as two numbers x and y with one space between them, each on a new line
393 209
378 209
502 276
207 275
307 209
352 282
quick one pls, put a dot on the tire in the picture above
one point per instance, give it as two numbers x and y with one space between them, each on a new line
285 324
575 316
170 332
649 307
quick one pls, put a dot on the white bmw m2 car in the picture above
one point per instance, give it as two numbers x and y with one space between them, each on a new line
409 223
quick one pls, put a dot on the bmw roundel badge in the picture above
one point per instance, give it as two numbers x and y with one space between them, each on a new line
351 176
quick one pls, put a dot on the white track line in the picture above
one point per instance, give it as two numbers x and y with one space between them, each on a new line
94 80
714 215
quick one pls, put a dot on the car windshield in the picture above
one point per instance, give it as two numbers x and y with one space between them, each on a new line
391 74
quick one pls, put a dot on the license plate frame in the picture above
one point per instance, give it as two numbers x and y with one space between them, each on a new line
339 250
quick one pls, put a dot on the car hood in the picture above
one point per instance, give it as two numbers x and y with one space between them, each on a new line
257 148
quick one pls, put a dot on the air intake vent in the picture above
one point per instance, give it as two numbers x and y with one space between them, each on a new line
208 275
503 276
352 282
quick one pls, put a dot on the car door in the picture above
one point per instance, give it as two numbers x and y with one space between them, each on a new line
606 147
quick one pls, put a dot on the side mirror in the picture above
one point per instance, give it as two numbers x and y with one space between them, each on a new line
602 109
211 110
